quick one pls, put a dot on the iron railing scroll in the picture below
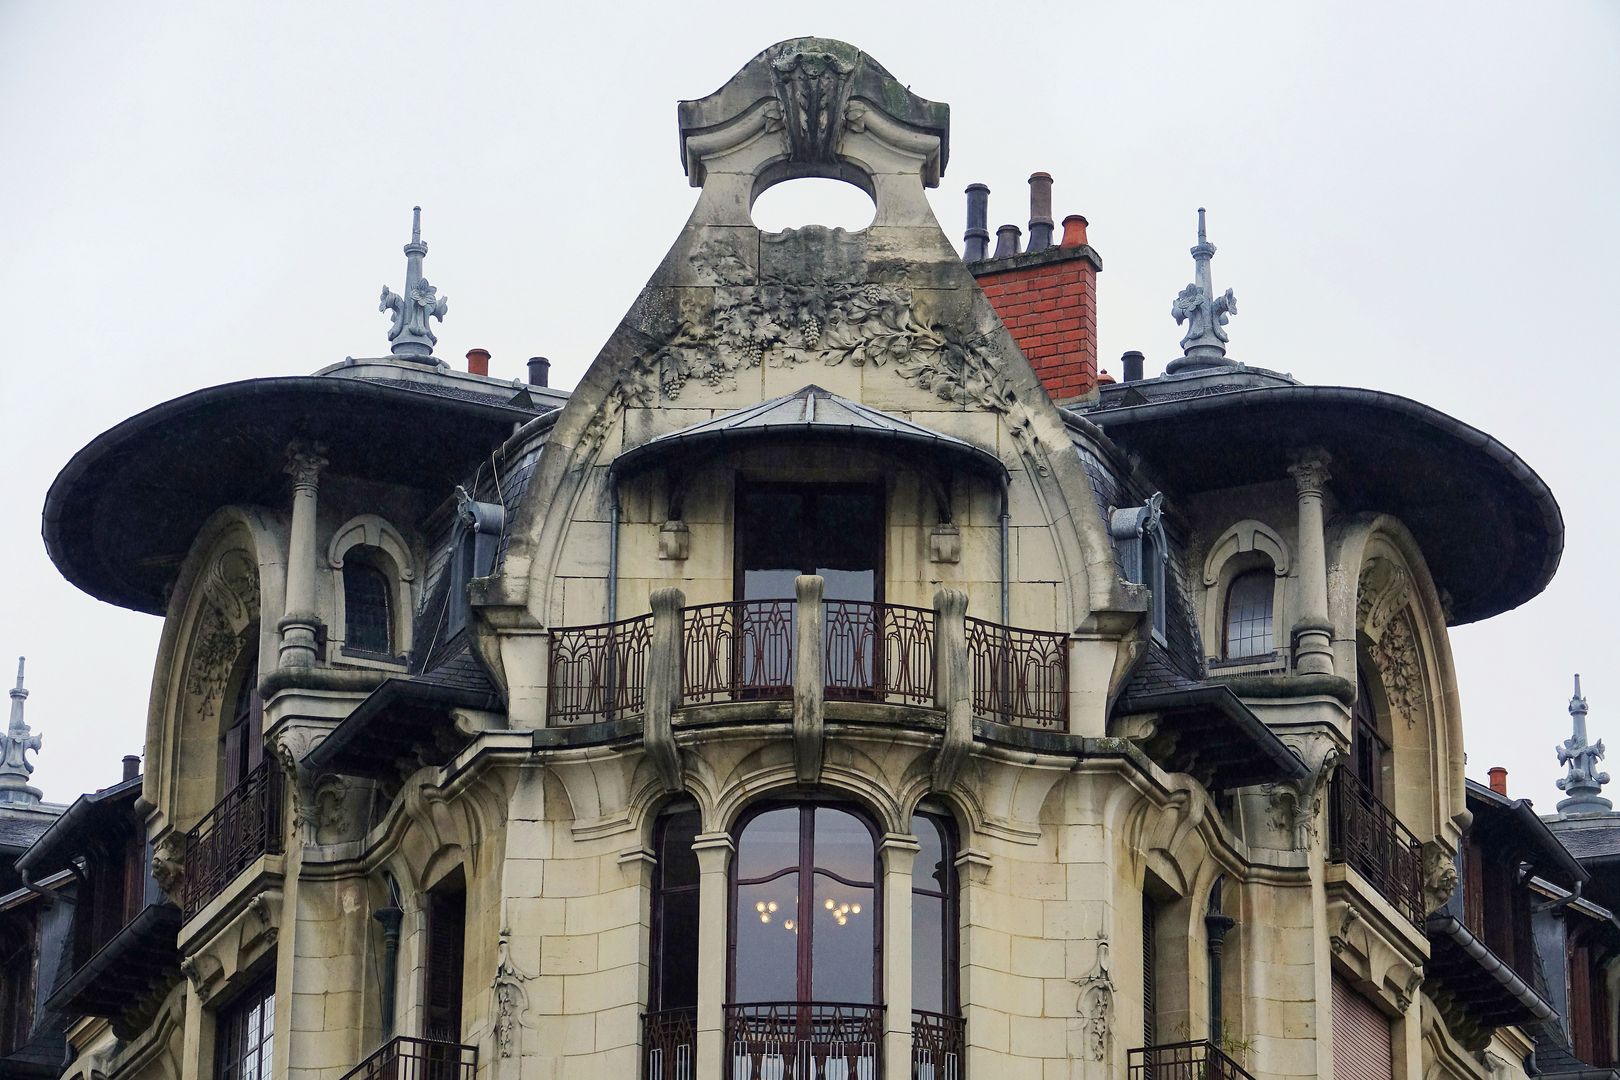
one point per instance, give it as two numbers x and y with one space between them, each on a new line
1200 1060
938 1046
405 1058
1365 834
669 1045
598 673
1020 677
804 1040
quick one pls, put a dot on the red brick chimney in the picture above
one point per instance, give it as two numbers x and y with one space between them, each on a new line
1047 298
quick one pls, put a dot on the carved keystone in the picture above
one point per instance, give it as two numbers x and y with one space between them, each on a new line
664 687
809 679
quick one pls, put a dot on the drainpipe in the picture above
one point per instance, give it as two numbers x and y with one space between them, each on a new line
389 918
1216 925
613 559
1006 603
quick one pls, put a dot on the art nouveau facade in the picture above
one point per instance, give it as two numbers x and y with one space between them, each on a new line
805 694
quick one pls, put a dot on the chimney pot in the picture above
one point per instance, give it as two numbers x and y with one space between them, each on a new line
132 766
1007 241
1040 212
1074 231
1499 780
1132 363
478 361
1104 378
976 241
539 371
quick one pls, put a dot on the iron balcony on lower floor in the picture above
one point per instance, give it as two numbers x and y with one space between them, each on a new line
1366 835
1200 1060
802 1040
244 825
405 1058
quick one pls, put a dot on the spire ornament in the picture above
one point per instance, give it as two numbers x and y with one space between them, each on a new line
15 768
1584 783
1204 344
410 333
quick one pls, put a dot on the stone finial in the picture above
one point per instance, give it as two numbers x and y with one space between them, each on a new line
410 333
1584 783
14 746
1206 315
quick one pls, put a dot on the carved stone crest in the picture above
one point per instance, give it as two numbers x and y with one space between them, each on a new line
230 607
511 997
1400 670
812 87
1381 593
1096 1005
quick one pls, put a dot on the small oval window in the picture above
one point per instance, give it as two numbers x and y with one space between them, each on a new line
813 200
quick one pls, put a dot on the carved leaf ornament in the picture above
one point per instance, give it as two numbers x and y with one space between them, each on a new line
786 324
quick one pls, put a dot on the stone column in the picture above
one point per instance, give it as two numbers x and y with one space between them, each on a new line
301 623
714 851
809 677
1312 631
898 851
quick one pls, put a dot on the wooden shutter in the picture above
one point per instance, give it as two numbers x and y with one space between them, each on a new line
1581 1033
441 991
1362 1047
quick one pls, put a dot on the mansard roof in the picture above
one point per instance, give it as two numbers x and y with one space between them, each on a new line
1489 527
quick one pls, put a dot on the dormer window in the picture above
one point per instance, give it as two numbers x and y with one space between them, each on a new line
1138 535
1246 628
478 536
367 614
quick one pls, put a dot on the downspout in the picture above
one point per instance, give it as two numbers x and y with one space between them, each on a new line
613 559
390 919
1006 616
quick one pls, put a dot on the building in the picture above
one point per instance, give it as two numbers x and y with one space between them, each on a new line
843 680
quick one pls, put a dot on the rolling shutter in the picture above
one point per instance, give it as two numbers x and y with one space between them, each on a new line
1361 1037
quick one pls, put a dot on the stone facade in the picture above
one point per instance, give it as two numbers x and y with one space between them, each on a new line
510 766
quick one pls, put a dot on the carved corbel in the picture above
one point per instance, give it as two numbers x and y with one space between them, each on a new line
169 866
1347 919
952 685
664 688
202 972
1439 876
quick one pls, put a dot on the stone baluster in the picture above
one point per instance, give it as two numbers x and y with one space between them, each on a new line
300 626
1312 630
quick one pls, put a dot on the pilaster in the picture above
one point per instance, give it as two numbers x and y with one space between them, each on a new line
714 852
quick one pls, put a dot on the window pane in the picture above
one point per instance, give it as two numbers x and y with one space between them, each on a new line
769 843
929 871
927 953
844 845
677 862
841 943
1248 615
365 606
767 940
678 950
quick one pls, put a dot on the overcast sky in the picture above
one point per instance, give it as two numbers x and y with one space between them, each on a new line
1420 198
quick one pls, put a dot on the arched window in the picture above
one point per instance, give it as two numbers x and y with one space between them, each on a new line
243 741
805 963
938 1034
1247 625
669 1041
367 618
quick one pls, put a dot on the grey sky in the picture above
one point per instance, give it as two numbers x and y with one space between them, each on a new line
1417 198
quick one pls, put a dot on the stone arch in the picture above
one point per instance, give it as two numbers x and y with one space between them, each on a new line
1247 545
226 600
374 532
1387 612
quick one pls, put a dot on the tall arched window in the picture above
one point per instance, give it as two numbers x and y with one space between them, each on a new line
1247 624
242 747
938 1034
670 1039
805 965
367 614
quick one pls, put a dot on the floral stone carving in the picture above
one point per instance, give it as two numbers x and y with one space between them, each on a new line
1395 655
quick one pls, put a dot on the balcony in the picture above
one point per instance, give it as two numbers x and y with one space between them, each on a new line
669 1045
1184 1061
232 836
938 1046
804 1040
740 651
405 1058
1365 835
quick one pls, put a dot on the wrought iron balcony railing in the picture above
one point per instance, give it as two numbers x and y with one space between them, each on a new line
669 1045
744 650
1366 834
804 1040
1200 1060
405 1058
938 1046
243 826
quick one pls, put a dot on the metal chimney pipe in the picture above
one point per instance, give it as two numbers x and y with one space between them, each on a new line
1040 212
1007 241
539 371
1132 363
976 241
132 766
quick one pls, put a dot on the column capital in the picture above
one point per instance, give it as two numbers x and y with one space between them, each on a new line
1310 471
713 851
898 851
305 460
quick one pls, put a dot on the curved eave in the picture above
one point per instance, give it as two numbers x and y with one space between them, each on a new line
1489 527
685 446
122 513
